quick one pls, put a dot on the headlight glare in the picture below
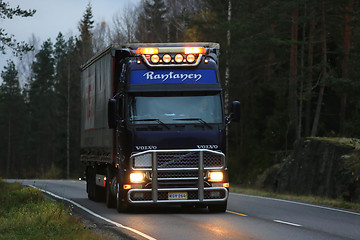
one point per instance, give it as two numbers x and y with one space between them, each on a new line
137 177
216 176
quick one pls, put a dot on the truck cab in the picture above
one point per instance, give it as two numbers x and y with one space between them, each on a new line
166 127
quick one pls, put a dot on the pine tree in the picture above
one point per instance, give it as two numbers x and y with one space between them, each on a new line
85 26
152 26
42 102
12 117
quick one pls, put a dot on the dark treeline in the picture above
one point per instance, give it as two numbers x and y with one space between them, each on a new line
293 64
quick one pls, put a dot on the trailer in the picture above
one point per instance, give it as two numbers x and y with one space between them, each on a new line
153 126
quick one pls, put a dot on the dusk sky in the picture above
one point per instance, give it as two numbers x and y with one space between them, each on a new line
54 16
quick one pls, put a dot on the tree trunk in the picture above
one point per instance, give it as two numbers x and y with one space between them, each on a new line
302 63
324 73
271 59
8 160
292 98
309 77
345 63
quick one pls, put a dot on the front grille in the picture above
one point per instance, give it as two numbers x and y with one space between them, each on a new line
188 160
178 171
177 174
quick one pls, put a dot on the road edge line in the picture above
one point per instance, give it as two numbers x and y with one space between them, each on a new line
299 203
96 215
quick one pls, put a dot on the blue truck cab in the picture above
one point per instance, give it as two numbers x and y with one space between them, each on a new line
154 126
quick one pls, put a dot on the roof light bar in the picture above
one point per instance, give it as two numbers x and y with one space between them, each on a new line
145 51
195 50
171 56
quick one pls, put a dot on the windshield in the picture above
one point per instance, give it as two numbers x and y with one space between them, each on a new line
175 109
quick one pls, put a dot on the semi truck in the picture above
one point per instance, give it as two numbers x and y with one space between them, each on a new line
153 126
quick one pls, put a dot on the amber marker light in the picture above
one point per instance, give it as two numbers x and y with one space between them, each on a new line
145 51
127 186
216 176
226 185
137 177
195 50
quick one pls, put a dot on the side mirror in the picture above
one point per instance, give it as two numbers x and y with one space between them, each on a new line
235 112
112 113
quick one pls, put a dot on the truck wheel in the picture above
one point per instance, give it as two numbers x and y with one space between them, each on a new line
110 200
95 193
89 183
218 208
122 205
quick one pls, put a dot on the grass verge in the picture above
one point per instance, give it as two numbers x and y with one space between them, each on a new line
336 203
26 214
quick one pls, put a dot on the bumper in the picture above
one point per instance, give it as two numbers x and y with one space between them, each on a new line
213 194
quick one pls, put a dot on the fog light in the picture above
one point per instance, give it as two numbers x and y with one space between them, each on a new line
215 194
190 58
155 58
137 177
139 195
166 58
216 176
179 58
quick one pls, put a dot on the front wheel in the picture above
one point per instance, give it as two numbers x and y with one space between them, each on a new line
109 199
122 205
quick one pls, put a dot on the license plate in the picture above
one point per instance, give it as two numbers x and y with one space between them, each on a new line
177 196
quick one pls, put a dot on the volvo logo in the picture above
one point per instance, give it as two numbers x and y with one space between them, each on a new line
142 148
207 146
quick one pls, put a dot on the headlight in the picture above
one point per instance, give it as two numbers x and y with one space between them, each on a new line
216 176
137 177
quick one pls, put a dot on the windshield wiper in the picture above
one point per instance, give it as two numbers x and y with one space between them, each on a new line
153 120
194 119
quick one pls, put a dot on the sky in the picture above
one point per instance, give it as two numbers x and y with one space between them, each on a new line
54 16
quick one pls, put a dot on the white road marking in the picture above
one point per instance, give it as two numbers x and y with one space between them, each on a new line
288 223
97 215
299 203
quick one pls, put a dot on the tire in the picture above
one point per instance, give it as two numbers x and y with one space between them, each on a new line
218 208
95 193
89 185
122 205
110 200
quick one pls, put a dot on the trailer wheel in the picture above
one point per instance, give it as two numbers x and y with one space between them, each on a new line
95 193
89 184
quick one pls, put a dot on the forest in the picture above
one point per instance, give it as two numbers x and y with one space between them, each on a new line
293 65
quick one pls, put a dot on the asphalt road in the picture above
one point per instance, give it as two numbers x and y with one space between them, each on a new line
247 217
